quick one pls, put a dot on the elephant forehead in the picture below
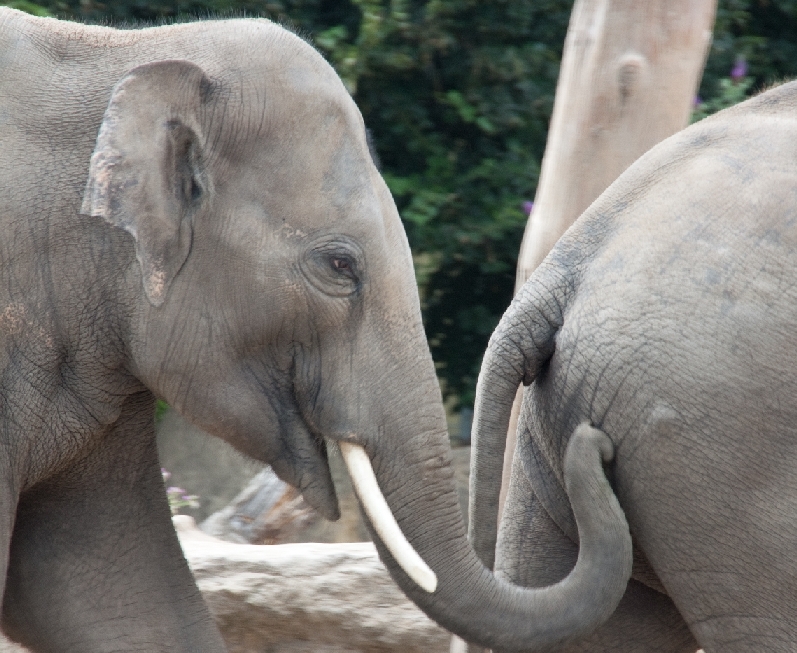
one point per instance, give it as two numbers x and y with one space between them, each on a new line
301 202
318 176
295 144
291 84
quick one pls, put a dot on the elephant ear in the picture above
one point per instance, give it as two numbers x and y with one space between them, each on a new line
146 174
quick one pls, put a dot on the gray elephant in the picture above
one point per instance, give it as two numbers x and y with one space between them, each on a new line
236 253
666 317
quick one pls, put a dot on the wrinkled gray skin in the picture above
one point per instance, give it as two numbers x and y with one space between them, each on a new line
191 212
667 317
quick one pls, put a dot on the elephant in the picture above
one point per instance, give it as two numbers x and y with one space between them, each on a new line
664 319
191 213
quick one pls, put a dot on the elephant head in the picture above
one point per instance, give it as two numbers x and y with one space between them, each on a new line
273 303
278 308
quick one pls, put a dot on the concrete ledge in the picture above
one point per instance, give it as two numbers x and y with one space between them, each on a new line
297 598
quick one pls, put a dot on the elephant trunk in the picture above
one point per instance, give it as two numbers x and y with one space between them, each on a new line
414 473
469 600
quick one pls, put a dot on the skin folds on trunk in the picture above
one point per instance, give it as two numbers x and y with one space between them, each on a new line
416 479
375 506
472 602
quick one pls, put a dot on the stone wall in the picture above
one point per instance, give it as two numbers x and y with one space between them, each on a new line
306 598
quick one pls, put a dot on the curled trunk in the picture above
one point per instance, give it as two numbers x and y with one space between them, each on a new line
416 479
470 601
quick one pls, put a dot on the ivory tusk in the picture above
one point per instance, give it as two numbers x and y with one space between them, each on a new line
382 519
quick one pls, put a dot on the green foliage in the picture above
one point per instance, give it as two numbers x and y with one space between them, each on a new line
458 95
757 40
28 7
160 410
763 32
730 92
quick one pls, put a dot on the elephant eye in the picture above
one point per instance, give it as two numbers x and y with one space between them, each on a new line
343 266
335 265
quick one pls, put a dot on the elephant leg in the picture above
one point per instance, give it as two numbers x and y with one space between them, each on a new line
95 563
533 551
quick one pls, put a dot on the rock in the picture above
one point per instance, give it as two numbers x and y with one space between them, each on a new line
267 511
305 598
7 646
209 467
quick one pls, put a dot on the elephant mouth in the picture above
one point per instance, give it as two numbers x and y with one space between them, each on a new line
299 455
313 476
318 490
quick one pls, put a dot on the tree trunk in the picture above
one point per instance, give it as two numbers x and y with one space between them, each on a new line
630 71
629 74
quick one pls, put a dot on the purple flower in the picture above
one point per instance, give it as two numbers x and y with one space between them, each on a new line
697 102
527 207
739 69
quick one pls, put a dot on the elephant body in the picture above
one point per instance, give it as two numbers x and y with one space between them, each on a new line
667 318
192 213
